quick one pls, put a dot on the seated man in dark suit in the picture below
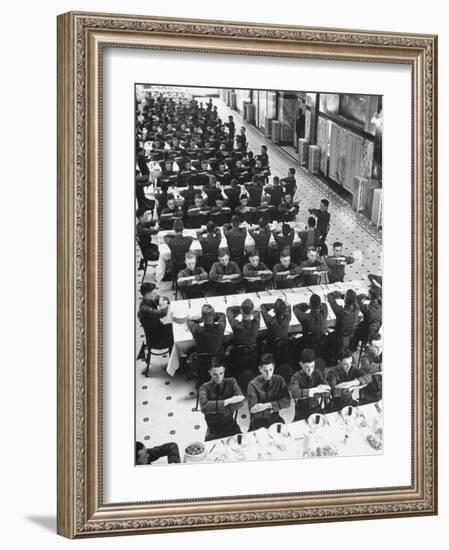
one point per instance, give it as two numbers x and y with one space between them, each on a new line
313 318
345 380
288 209
336 263
235 237
225 275
208 331
179 245
308 387
145 229
170 214
312 268
147 456
192 279
152 309
310 237
210 240
267 395
245 323
256 273
286 273
219 398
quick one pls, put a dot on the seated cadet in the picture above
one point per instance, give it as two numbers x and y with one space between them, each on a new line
219 398
275 191
245 212
261 236
336 263
284 237
312 268
192 279
236 237
277 318
371 363
225 275
145 229
249 161
233 194
170 213
197 214
213 189
220 214
147 456
152 309
210 240
371 309
261 171
288 209
313 319
256 273
179 245
310 237
245 323
345 381
255 191
266 210
308 387
347 317
240 172
267 395
289 183
286 273
204 172
208 331
189 195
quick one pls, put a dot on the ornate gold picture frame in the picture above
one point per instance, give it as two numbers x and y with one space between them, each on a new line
81 40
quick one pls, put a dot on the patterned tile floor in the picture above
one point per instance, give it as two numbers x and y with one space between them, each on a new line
165 405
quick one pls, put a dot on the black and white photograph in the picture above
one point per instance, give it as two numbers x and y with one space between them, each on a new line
258 274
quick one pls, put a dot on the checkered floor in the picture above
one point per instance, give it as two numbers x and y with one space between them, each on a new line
165 405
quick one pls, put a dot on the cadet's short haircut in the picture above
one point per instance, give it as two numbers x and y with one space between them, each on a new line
253 252
211 227
325 202
337 244
263 223
247 306
190 256
307 356
223 252
266 359
315 301
178 226
285 252
235 220
345 353
170 197
311 222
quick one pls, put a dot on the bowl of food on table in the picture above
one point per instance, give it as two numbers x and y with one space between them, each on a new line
195 452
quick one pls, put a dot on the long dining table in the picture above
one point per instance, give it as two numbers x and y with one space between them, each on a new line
335 435
181 309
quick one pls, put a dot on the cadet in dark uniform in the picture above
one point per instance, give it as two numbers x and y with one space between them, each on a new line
312 269
347 317
344 380
236 237
192 279
145 229
308 387
267 395
256 273
147 456
210 242
219 398
313 317
246 328
323 224
152 309
337 262
208 331
225 275
286 273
